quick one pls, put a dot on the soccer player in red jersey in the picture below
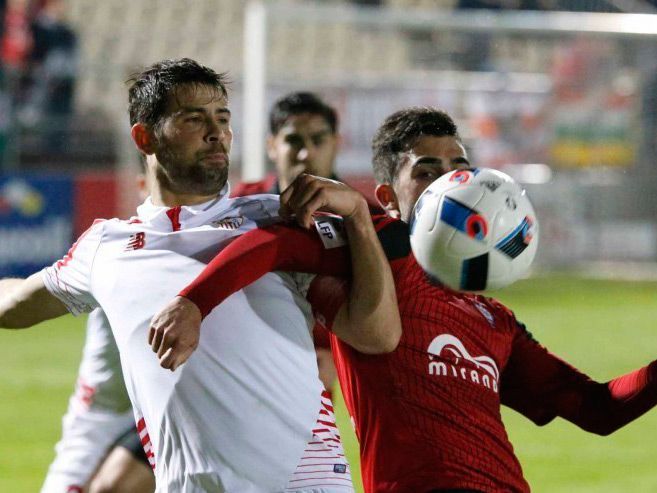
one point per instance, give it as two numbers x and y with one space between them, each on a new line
427 415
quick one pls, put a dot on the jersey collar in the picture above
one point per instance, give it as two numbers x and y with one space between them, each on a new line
189 216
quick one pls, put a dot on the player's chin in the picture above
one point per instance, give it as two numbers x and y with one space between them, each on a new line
215 162
206 180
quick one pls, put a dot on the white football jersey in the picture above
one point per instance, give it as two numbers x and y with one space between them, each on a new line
238 415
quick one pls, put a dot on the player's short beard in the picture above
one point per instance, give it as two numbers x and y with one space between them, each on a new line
191 178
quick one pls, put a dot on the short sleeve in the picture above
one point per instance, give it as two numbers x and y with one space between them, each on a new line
69 279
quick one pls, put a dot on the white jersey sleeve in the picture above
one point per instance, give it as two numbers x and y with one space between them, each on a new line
69 279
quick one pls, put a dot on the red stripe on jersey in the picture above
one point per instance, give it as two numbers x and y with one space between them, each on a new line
174 217
146 442
323 463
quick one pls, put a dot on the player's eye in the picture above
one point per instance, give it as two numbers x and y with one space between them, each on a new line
427 174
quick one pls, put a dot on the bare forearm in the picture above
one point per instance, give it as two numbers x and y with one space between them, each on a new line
9 284
369 320
26 302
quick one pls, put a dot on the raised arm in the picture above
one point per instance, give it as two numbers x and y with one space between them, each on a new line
26 302
174 331
369 320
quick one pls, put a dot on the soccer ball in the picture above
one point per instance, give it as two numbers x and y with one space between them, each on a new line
474 229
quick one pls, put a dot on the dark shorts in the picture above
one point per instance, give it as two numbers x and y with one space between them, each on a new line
130 441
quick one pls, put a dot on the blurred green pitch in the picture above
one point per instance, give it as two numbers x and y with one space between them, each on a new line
604 328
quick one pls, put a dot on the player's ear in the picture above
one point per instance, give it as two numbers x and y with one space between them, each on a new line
387 199
143 138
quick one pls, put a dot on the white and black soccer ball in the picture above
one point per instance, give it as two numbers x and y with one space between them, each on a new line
474 229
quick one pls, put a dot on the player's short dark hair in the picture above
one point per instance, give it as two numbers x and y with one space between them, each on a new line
150 90
400 132
297 103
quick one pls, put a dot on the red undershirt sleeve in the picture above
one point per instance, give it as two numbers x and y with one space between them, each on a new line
326 295
541 386
251 255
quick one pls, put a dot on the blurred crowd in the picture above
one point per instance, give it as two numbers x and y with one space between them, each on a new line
38 65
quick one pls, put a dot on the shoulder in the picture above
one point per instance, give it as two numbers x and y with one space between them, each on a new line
393 235
504 312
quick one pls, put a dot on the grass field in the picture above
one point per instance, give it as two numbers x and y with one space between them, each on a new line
604 328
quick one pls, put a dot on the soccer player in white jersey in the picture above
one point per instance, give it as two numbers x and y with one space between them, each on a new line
214 424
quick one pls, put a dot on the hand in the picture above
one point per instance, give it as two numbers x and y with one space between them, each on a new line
175 332
308 194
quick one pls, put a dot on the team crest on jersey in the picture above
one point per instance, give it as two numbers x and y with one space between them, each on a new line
230 223
448 357
137 241
485 312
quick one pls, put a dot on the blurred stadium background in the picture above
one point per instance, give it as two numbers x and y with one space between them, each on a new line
560 94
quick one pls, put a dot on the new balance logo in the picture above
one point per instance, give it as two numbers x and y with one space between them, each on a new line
136 241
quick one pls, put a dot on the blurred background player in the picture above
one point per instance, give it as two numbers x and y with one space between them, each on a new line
303 138
428 414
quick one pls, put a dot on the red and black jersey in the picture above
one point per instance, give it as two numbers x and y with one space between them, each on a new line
427 415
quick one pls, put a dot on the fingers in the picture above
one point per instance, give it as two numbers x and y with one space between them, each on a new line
309 206
155 336
175 332
168 360
306 195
